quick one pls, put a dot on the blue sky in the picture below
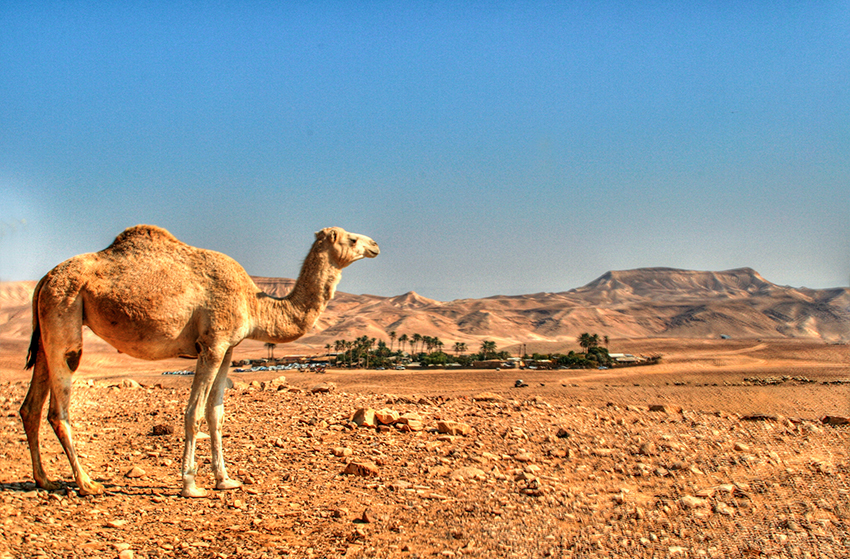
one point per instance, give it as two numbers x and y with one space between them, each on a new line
490 148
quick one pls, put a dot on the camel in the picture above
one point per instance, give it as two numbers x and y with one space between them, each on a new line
153 297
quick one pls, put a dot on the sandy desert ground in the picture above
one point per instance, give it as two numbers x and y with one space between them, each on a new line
574 465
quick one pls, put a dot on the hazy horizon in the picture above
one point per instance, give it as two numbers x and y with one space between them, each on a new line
489 150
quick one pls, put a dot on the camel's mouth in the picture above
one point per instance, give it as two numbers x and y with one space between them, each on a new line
372 252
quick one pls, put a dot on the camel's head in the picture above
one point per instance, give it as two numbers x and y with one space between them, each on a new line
344 247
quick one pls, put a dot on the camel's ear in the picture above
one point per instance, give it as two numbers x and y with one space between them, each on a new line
327 232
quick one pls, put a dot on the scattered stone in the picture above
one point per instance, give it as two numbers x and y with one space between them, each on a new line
835 420
323 388
411 422
117 523
658 407
741 447
468 473
488 397
562 433
524 457
162 430
278 383
126 554
130 383
364 417
724 509
135 472
515 433
691 502
520 384
453 428
342 451
362 469
368 517
647 449
759 417
387 416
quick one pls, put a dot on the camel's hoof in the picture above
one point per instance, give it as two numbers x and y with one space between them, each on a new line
48 485
193 492
228 484
91 488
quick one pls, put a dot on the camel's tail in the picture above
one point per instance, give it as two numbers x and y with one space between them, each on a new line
36 328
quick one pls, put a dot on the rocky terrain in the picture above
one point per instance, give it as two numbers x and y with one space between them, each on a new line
706 463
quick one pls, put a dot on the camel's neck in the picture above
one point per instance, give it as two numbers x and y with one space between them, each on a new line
287 319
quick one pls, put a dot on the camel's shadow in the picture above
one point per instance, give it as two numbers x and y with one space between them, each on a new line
67 488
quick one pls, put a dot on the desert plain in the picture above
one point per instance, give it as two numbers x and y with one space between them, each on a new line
721 450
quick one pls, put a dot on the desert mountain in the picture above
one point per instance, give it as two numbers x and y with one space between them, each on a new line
641 303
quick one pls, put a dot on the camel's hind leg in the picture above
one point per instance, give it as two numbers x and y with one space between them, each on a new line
60 400
31 418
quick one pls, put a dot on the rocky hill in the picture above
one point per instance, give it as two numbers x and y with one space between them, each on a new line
641 303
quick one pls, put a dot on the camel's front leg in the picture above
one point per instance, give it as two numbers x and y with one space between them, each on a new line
204 370
215 419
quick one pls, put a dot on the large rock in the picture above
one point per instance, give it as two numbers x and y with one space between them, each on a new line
365 417
387 416
411 422
453 428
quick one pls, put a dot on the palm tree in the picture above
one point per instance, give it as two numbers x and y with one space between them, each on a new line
488 349
416 339
402 340
327 349
392 339
460 347
349 347
605 341
366 343
588 341
270 348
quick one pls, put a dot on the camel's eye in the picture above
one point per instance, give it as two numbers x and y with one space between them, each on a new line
352 241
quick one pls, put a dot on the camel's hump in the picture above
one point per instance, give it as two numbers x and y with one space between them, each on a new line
143 234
